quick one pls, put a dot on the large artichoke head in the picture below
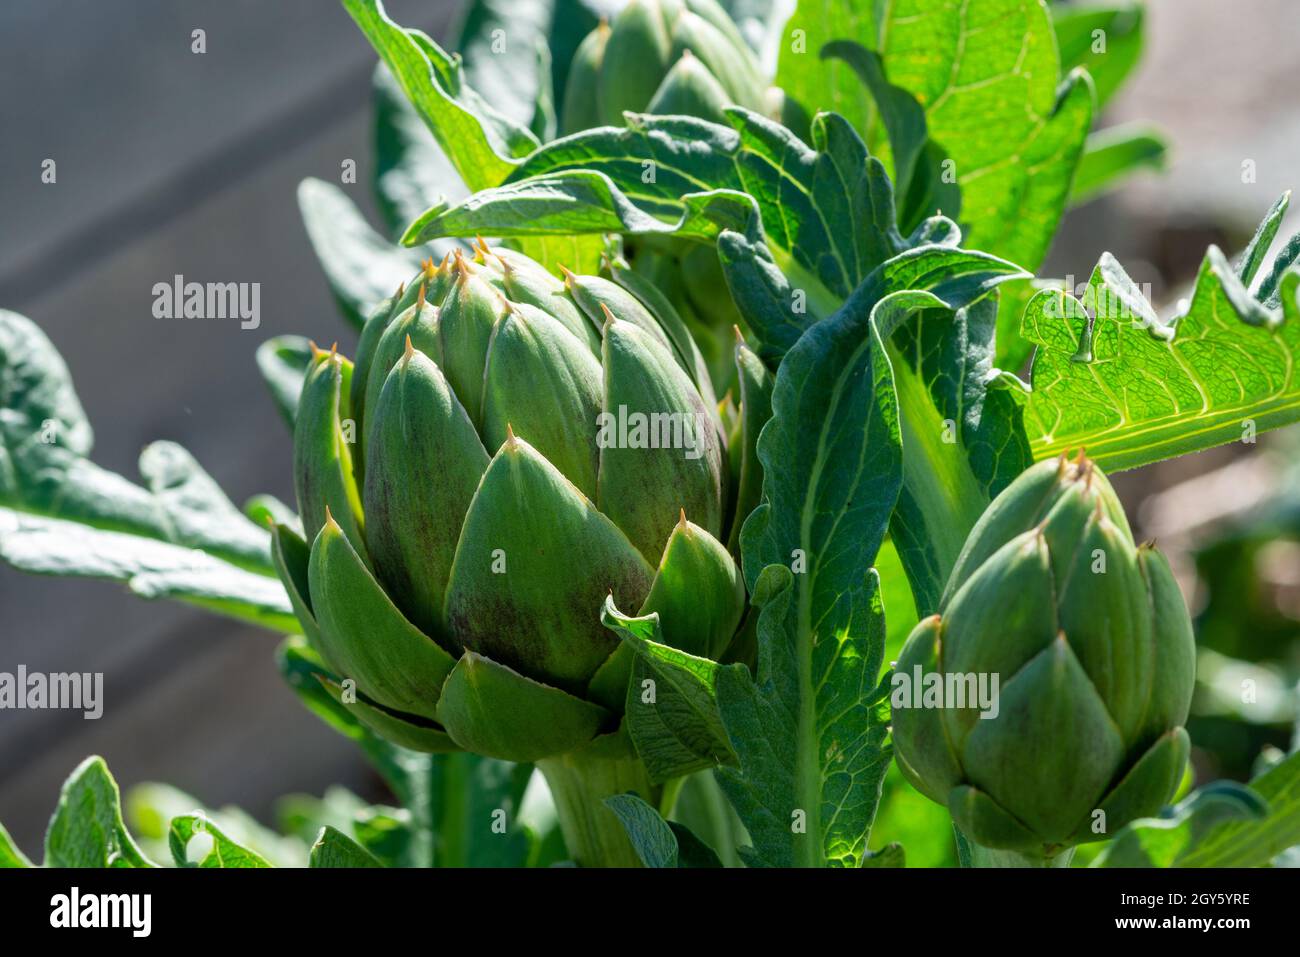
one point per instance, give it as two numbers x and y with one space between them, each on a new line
665 57
1085 644
508 449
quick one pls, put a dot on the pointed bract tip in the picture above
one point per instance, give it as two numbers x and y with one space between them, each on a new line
428 267
460 267
334 349
419 298
409 351
329 520
609 316
740 336
401 291
569 278
511 441
681 520
316 351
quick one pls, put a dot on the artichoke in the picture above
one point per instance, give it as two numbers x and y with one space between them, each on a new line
508 449
1091 644
665 57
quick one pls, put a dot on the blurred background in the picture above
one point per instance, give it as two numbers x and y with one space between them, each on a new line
170 162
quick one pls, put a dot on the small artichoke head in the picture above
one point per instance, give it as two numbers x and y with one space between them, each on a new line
668 57
508 449
1090 644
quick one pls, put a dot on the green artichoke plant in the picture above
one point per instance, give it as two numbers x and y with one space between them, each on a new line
664 57
507 450
1092 645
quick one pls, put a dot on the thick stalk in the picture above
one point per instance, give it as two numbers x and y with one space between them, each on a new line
580 781
988 857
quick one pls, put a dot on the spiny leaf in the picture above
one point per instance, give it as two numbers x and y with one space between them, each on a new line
1112 377
87 829
222 853
333 848
60 514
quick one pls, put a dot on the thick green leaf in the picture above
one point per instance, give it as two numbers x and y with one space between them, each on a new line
411 170
361 266
810 732
499 40
1253 843
963 439
60 514
11 854
827 84
826 209
283 362
891 855
87 829
1197 825
333 848
650 834
1114 154
453 799
479 141
989 77
1103 38
657 842
149 808
221 851
671 711
1112 377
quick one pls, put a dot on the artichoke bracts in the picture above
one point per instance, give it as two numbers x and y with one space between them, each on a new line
509 449
1092 648
683 57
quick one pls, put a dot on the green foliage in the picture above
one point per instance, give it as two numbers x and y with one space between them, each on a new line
1223 824
87 828
1112 376
659 843
871 232
177 536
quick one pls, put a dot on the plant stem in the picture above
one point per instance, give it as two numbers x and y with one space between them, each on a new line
580 781
988 857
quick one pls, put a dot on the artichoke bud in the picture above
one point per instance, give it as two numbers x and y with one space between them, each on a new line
536 617
581 108
544 382
1091 646
426 462
666 57
725 57
689 89
530 444
407 295
419 323
601 300
659 449
637 56
698 592
465 322
322 456
524 280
